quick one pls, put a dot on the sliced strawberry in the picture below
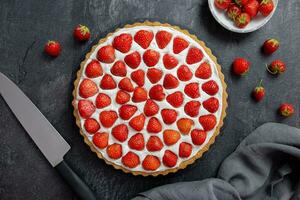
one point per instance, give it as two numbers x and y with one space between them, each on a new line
192 90
114 151
203 71
107 82
119 69
211 104
185 125
123 42
210 87
86 108
171 137
122 97
198 136
151 57
184 73
143 38
87 88
102 100
91 125
93 69
169 158
106 54
137 142
169 116
185 149
179 44
208 122
151 163
127 111
157 93
170 81
139 94
191 108
163 38
154 126
154 75
131 160
137 122
175 99
125 84
108 118
138 77
100 140
133 60
154 144
169 61
120 132
150 108
194 55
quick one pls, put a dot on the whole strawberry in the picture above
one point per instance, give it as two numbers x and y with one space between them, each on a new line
242 20
240 66
276 67
52 48
259 92
81 33
270 46
286 109
266 7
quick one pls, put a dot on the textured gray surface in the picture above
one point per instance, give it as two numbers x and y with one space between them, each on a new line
25 27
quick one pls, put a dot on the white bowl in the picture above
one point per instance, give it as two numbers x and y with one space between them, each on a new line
226 22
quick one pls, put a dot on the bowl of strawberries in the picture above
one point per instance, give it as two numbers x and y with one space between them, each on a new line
242 16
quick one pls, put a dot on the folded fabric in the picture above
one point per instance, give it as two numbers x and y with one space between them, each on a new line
266 165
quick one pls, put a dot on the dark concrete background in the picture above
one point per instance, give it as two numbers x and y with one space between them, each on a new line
27 24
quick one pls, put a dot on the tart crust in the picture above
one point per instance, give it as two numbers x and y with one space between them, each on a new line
199 154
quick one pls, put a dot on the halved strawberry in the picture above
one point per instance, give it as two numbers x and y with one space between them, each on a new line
123 42
108 118
154 126
210 87
150 108
151 57
87 88
157 93
171 137
198 136
169 116
169 158
91 125
175 99
192 90
133 60
194 55
120 132
138 77
154 75
211 104
93 69
170 81
137 142
102 100
122 97
114 151
184 73
169 61
131 160
151 163
185 149
139 94
119 69
106 54
137 122
208 122
143 38
184 125
163 38
191 108
125 84
100 140
203 71
127 111
179 44
107 82
154 144
86 108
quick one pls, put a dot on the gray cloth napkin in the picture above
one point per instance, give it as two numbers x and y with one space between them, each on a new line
265 166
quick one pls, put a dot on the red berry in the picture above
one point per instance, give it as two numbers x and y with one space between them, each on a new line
123 42
151 57
91 125
194 55
184 73
169 116
222 4
169 61
175 99
100 140
150 108
266 7
93 69
276 67
119 69
163 38
203 71
133 60
184 125
120 132
210 87
192 90
139 95
286 110
192 108
242 20
154 144
198 136
86 108
127 111
114 151
259 92
52 48
251 8
208 122
87 88
154 75
154 126
108 118
170 81
233 11
171 137
270 46
138 77
106 54
157 93
241 2
122 97
137 122
169 158
179 44
81 33
107 82
185 149
240 66
125 84
143 38
131 160
211 104
137 142
102 100
151 163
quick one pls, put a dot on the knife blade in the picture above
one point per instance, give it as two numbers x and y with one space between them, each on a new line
45 136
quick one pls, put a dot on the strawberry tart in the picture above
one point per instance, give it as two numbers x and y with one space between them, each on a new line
149 98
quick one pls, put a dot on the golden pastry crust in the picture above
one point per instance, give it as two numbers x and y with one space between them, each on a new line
199 154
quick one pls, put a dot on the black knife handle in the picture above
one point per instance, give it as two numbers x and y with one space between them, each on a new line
78 186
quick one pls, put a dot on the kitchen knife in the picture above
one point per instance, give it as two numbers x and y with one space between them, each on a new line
44 135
